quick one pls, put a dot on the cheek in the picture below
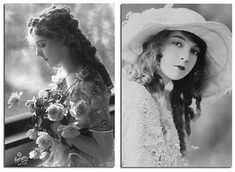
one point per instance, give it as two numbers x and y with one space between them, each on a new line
166 66
192 63
47 52
52 55
57 53
167 60
168 55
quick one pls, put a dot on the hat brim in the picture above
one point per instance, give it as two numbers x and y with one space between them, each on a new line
219 49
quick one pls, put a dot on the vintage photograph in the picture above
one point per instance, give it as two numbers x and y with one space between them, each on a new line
176 108
59 85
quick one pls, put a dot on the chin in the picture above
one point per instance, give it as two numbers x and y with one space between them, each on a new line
175 77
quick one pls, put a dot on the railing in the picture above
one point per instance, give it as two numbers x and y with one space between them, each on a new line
18 145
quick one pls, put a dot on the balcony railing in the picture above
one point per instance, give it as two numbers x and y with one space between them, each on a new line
18 145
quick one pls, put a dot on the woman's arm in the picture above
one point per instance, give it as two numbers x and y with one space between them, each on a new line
100 145
143 144
96 96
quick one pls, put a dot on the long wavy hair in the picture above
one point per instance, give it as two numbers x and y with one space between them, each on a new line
146 69
58 24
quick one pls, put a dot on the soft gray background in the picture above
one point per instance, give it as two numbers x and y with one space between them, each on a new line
212 132
26 72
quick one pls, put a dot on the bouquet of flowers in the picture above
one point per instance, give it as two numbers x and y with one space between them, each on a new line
54 121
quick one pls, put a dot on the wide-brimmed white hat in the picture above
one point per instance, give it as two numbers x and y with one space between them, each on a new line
139 27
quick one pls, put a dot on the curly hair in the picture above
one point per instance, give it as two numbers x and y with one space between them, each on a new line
57 23
146 72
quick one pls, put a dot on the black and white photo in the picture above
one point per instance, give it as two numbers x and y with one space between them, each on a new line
176 85
59 85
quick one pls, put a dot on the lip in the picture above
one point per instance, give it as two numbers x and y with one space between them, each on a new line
180 67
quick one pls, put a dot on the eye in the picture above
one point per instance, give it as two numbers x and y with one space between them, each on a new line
42 45
177 44
195 51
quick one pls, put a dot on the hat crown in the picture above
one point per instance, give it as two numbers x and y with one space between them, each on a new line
167 14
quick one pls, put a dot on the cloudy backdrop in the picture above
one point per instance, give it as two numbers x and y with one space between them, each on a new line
26 72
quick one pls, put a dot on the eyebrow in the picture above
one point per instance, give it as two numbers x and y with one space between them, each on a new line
39 41
182 38
178 36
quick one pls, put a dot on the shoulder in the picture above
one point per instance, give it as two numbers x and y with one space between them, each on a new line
89 73
88 82
134 91
137 103
132 88
136 99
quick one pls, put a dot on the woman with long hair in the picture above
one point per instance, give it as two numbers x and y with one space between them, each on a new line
83 135
174 58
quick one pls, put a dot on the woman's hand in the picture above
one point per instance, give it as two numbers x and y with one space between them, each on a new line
69 131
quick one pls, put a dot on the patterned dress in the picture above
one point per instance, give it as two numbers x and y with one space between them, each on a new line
88 100
149 136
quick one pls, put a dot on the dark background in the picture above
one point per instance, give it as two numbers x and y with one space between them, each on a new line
212 132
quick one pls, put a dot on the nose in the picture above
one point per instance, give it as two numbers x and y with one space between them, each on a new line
184 58
185 55
39 52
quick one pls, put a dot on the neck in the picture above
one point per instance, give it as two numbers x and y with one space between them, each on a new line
166 80
70 68
69 65
168 85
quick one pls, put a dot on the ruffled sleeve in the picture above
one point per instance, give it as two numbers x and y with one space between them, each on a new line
143 142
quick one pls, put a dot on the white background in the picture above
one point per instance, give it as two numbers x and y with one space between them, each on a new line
117 88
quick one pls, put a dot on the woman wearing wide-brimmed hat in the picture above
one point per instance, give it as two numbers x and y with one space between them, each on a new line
173 58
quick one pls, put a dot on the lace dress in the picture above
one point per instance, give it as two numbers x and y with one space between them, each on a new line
89 99
149 136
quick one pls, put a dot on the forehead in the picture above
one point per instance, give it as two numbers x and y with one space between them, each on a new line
183 36
35 38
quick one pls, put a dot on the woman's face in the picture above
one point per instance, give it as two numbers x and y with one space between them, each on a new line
179 56
50 51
